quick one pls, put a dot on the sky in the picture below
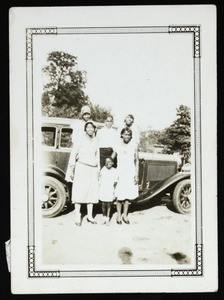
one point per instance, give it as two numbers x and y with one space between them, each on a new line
147 75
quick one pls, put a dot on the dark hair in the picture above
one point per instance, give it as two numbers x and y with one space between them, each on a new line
87 123
128 130
131 116
109 158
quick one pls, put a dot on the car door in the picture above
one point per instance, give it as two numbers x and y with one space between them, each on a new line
64 147
49 144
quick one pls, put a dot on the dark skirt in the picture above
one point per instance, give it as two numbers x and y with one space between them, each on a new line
104 153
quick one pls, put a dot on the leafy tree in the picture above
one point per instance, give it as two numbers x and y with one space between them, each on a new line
177 137
149 141
99 113
63 94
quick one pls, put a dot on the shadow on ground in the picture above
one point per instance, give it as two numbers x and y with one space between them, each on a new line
134 206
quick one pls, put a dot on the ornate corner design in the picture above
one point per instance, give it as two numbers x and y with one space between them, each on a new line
198 271
195 30
33 273
30 32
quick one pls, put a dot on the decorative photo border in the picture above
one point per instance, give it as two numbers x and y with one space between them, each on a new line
194 30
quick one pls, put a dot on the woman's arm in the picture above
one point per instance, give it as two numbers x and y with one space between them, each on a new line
71 165
136 166
113 155
98 161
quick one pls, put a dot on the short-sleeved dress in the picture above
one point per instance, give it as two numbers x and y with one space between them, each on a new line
126 187
108 177
84 157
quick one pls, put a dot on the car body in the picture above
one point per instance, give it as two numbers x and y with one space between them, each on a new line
159 174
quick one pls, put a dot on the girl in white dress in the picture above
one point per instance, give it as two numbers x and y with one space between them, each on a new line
108 181
84 162
128 165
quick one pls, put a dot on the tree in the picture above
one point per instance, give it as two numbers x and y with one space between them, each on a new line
149 141
99 113
63 94
177 137
145 144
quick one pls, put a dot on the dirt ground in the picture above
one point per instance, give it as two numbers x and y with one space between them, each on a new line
156 235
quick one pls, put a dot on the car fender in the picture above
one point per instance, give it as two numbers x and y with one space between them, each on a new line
54 171
166 184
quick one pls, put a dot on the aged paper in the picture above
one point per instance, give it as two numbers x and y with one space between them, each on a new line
138 61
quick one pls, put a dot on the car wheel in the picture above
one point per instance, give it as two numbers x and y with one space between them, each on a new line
182 197
53 197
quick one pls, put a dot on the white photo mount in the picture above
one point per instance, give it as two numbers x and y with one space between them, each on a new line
33 271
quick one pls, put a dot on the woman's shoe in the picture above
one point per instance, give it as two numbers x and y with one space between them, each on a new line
126 221
119 222
78 219
91 221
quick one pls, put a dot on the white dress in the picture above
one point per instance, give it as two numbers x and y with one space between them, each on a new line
108 177
126 187
84 157
107 137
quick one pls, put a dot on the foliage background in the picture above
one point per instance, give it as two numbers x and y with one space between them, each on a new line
64 95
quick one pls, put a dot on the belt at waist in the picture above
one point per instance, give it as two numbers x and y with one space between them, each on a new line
93 166
106 148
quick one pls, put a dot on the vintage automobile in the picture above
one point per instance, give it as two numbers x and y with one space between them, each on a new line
159 174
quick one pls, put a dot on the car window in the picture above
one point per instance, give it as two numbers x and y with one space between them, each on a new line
48 136
66 138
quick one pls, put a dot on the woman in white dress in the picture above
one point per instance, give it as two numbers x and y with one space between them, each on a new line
83 166
128 165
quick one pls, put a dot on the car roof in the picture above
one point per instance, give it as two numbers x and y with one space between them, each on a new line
64 121
46 121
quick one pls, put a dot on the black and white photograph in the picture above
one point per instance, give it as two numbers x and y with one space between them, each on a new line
116 162
114 135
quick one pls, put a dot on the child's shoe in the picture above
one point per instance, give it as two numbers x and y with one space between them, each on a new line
104 220
107 221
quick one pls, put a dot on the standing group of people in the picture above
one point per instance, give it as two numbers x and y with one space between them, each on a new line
103 166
